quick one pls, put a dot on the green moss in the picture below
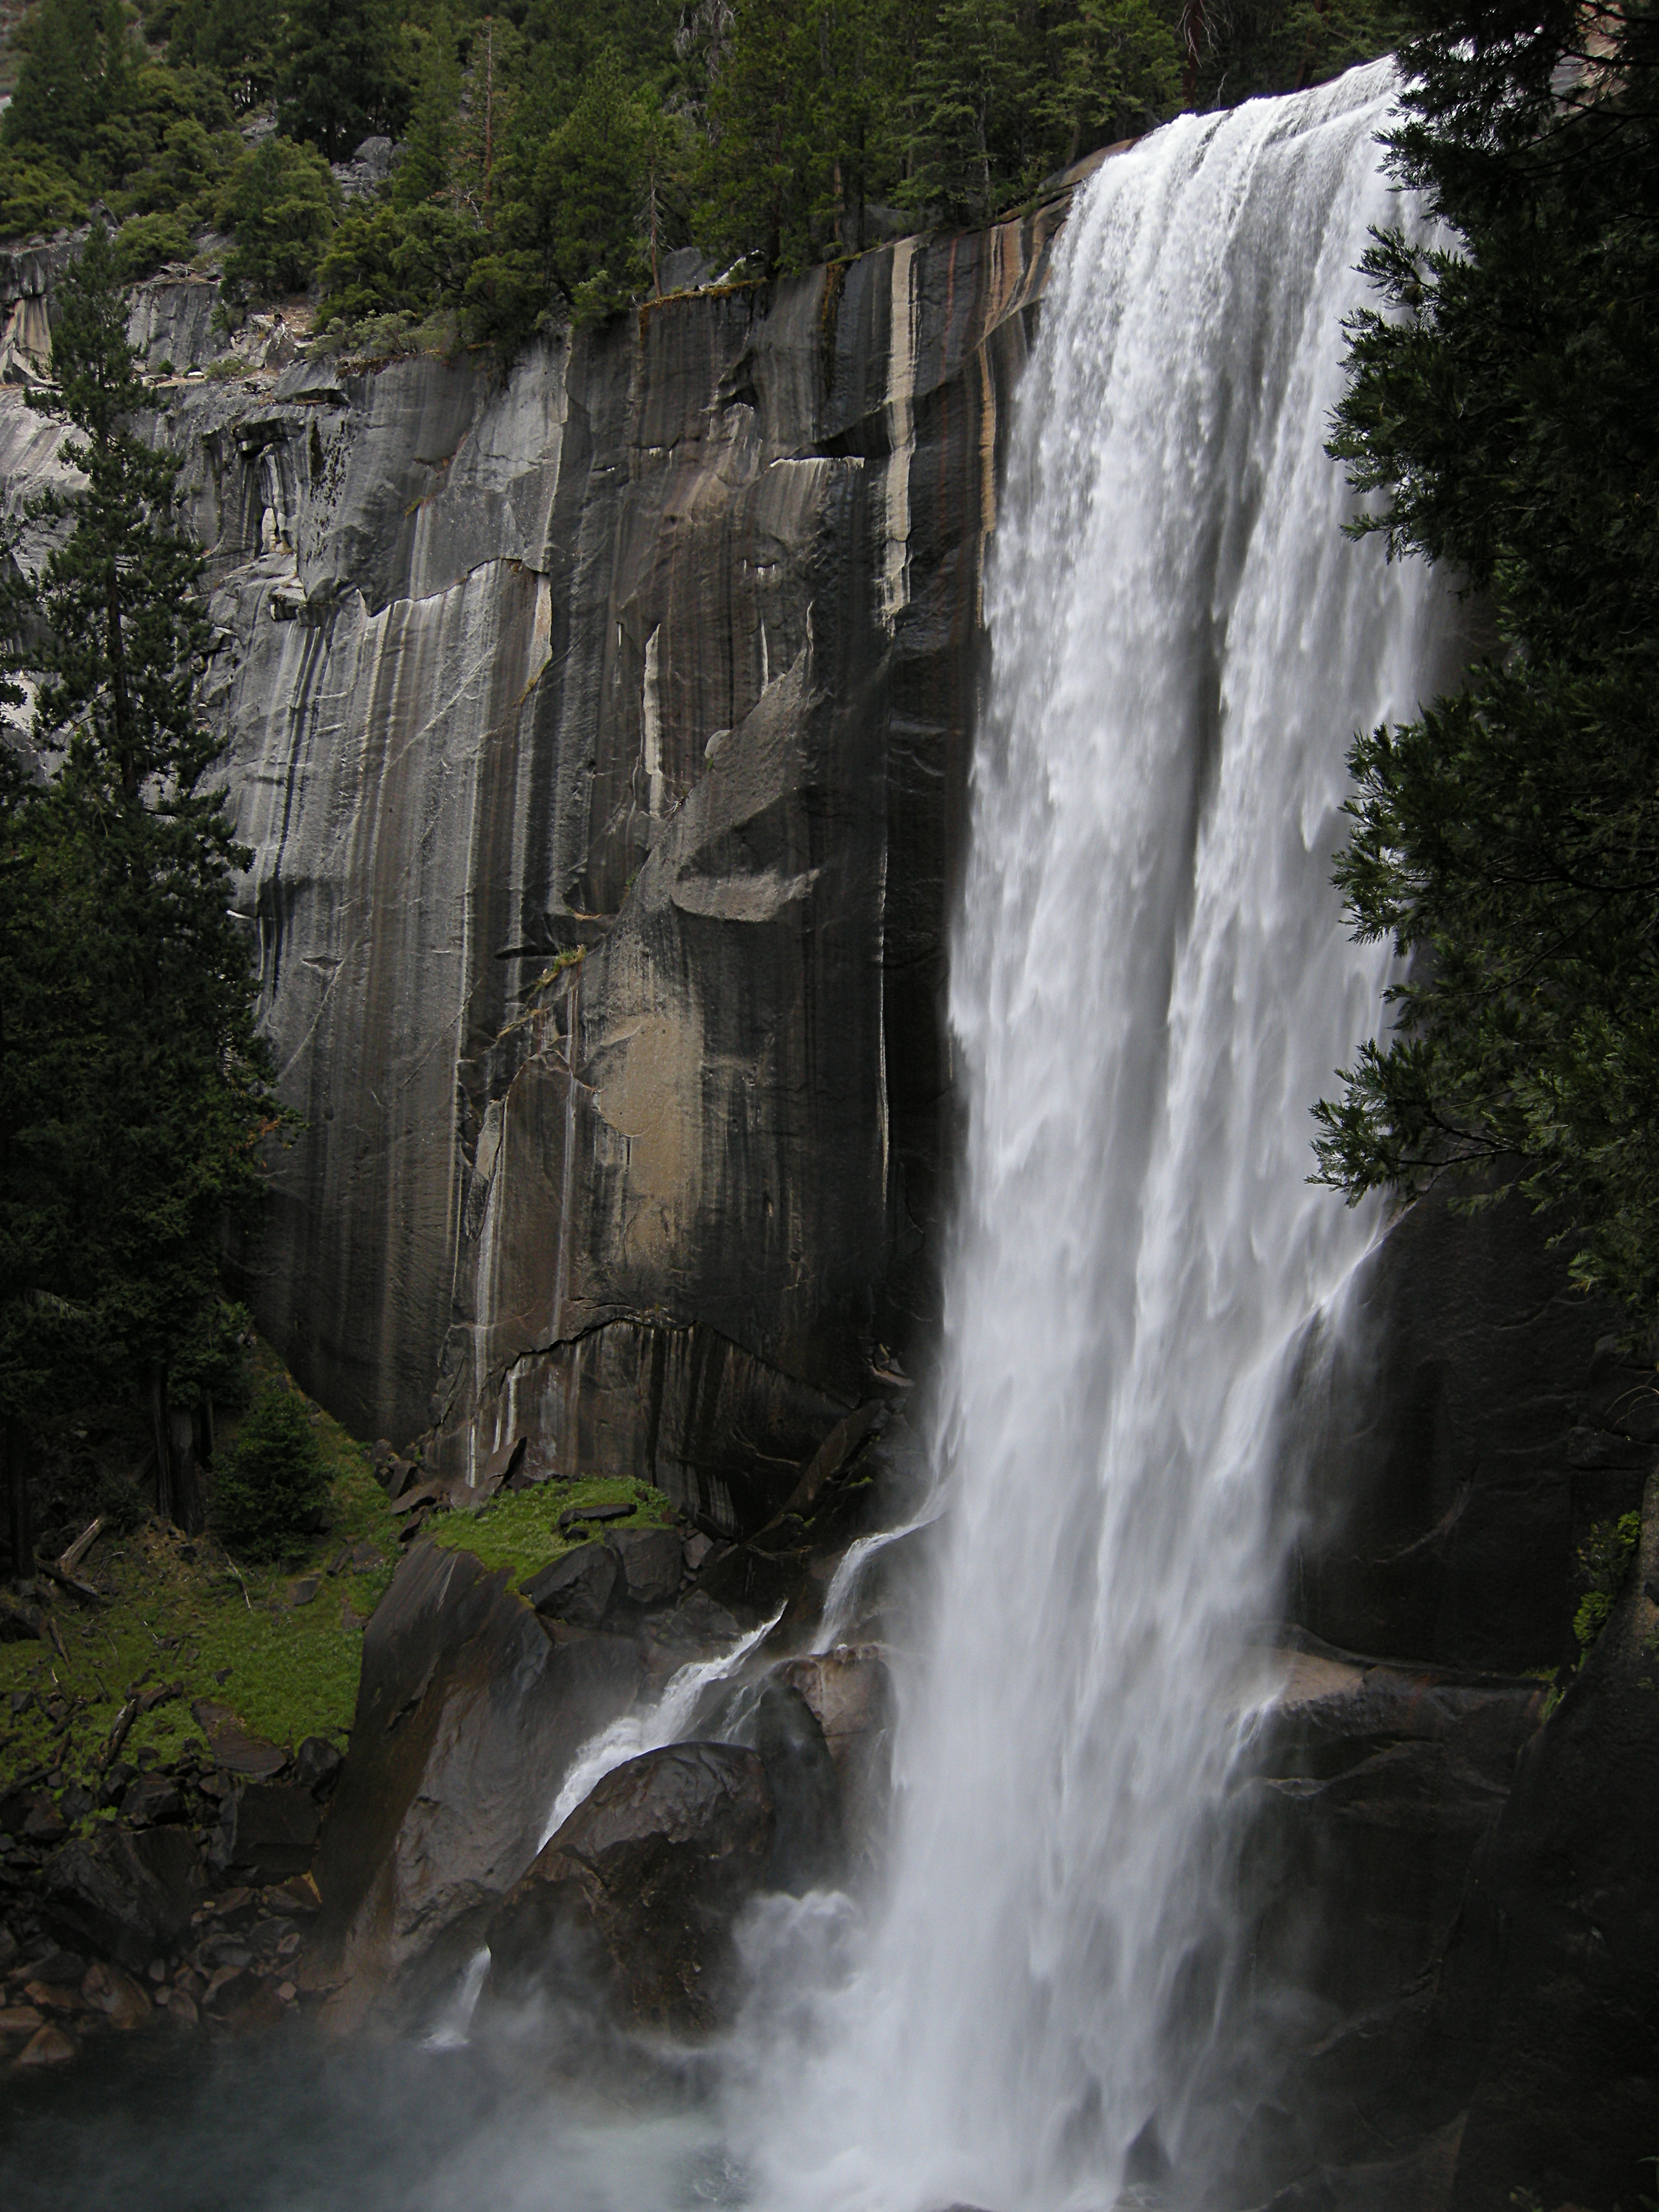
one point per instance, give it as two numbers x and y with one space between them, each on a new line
521 1530
1602 1558
181 1614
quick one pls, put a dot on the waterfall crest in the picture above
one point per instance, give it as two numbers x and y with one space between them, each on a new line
1150 985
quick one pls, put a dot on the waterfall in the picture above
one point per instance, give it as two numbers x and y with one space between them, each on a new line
1151 984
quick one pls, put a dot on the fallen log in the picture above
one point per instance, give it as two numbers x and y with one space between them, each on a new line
83 1591
69 1560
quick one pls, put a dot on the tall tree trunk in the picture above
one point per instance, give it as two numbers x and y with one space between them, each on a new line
18 1519
161 1430
186 1483
489 121
1191 30
115 647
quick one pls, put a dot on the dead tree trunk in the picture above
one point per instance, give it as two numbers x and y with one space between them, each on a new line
160 1430
18 1523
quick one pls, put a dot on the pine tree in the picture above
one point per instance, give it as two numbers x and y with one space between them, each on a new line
975 102
1121 71
133 1086
59 99
1505 404
343 75
284 203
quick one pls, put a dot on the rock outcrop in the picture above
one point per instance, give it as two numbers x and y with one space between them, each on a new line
601 731
634 1899
467 1717
127 1896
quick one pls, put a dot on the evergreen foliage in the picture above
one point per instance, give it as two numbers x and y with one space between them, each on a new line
344 74
132 1083
284 204
552 154
1504 406
272 1480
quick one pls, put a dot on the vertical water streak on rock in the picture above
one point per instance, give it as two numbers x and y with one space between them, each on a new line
1150 984
901 432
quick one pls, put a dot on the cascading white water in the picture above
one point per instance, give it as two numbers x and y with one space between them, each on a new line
1150 985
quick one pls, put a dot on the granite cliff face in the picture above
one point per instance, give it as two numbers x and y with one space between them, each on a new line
662 652
657 657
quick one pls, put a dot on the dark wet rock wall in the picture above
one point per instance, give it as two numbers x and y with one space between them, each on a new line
658 657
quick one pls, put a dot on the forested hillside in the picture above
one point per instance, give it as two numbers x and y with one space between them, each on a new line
552 154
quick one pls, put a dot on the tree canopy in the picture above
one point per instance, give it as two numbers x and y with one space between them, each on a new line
1503 412
556 150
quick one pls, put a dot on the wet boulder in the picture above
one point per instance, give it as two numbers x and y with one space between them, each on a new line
850 1693
652 1560
577 1588
121 2000
1545 2025
638 1890
809 1844
122 1895
467 1717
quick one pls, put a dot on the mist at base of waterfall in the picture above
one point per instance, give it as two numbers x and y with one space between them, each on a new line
299 2122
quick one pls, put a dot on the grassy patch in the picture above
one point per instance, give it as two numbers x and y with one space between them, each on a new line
183 1614
521 1530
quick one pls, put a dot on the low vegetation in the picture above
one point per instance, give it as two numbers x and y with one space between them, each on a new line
1602 1561
179 1620
521 1530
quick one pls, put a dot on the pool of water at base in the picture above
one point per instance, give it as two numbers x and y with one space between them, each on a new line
295 2121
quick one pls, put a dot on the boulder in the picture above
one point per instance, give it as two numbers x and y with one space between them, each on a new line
316 1765
232 1745
267 1832
651 1561
638 1890
467 1717
47 2046
122 2003
809 1846
151 1798
31 1817
577 1588
1545 2023
1379 1782
128 1896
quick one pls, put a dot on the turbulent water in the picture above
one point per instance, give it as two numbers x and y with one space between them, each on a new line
1150 985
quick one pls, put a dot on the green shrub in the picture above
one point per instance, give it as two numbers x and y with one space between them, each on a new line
144 242
284 204
120 1501
272 1480
35 195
